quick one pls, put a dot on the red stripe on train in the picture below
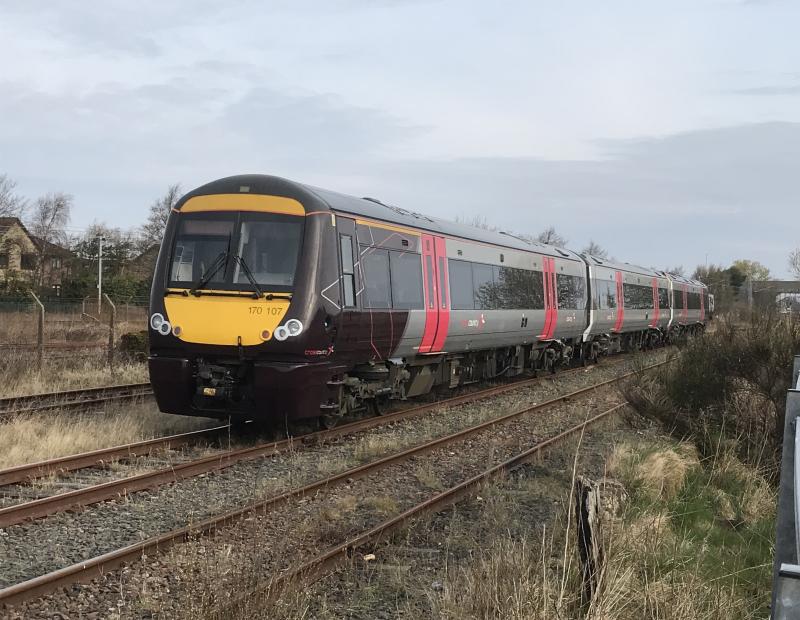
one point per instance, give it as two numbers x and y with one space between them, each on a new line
429 294
553 299
620 302
545 335
443 282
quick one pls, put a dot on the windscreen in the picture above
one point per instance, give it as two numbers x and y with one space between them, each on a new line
269 249
199 244
221 250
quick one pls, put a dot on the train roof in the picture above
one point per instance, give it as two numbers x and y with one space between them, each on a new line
373 208
621 266
370 208
684 280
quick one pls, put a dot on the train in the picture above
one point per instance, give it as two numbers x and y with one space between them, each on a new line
273 300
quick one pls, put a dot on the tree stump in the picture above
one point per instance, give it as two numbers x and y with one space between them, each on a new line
594 503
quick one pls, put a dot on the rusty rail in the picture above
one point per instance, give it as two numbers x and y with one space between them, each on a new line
38 508
97 566
72 399
322 564
31 471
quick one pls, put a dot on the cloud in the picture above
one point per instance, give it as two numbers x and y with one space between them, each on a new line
730 192
788 89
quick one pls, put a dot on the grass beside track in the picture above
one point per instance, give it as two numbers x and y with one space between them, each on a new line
690 539
20 377
31 438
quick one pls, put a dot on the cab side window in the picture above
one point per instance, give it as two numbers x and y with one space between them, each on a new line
348 271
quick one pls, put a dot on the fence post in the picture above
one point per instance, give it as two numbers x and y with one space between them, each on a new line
39 333
111 321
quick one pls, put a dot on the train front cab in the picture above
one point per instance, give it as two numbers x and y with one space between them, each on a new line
236 327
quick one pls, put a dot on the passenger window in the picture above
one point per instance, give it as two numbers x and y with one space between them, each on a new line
483 285
570 291
348 273
461 293
377 288
406 269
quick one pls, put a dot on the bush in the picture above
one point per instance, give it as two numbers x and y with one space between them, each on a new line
135 345
728 385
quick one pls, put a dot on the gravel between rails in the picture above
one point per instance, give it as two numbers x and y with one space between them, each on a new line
32 549
159 458
412 571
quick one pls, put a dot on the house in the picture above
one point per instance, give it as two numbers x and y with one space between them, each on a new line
142 266
25 258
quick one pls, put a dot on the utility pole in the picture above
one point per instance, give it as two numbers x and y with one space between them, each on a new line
100 274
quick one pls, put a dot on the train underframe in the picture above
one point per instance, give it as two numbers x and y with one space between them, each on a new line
372 384
258 389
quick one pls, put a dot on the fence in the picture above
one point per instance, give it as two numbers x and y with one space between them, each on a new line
786 570
67 328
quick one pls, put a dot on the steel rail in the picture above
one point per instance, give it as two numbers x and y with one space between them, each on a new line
319 566
97 566
30 471
70 500
70 399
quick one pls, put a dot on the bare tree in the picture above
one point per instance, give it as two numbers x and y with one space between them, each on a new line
551 237
678 270
595 250
153 229
47 223
50 216
11 203
794 263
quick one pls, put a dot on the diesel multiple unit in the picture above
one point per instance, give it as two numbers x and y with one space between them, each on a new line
273 300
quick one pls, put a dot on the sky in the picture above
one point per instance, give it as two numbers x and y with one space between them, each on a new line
667 132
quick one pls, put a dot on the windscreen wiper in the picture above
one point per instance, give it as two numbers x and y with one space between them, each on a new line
249 275
213 268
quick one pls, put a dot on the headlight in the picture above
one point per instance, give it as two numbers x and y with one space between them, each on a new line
156 321
294 327
281 333
160 324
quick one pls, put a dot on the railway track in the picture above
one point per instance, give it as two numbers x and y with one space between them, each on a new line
98 565
98 458
72 399
322 564
172 472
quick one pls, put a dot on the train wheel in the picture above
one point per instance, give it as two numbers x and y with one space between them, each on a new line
379 405
328 421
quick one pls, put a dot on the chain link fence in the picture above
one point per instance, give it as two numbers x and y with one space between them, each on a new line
59 328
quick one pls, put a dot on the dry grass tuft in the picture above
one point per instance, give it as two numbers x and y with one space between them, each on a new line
31 438
382 505
373 446
428 478
661 473
20 376
339 509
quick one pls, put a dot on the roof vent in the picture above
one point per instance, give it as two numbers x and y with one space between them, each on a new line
399 210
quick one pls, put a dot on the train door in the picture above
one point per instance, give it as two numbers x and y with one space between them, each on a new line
620 302
656 308
349 279
436 293
550 298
